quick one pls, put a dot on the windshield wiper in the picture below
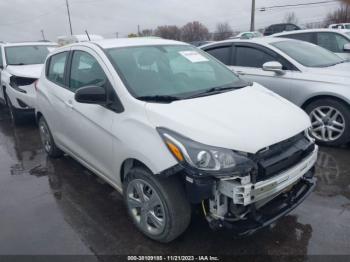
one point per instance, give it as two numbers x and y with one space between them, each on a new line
159 98
218 90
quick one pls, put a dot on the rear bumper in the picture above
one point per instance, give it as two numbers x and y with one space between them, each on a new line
275 209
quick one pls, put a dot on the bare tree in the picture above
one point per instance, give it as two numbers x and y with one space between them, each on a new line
146 32
168 32
194 31
342 15
223 31
291 18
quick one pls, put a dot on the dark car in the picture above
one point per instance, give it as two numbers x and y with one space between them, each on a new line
278 28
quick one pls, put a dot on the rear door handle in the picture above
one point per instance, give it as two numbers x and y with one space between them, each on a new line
69 103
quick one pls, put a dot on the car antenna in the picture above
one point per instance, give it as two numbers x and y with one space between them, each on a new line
87 33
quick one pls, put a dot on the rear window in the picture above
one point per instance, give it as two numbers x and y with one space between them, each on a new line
27 55
308 54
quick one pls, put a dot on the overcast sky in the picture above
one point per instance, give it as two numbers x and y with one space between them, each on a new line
23 19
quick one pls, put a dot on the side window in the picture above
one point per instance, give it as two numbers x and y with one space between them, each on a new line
252 57
331 41
222 53
290 27
303 37
86 71
341 41
55 70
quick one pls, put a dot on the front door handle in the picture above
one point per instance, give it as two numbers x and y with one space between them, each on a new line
69 103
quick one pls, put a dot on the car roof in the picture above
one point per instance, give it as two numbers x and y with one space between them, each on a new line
29 44
137 41
259 40
342 31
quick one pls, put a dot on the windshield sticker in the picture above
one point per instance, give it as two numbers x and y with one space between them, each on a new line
193 56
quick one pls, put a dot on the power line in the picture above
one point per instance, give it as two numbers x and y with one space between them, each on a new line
31 19
296 5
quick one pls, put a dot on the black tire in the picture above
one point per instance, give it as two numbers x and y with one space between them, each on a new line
344 110
16 116
177 209
45 134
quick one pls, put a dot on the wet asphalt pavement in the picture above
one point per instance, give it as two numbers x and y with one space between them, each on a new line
56 207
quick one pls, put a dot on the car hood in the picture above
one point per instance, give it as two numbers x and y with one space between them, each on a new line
247 119
31 71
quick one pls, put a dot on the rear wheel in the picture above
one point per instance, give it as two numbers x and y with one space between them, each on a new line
157 206
330 120
47 140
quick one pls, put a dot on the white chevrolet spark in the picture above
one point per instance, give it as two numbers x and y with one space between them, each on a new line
169 126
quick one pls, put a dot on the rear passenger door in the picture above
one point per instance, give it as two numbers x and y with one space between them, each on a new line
248 61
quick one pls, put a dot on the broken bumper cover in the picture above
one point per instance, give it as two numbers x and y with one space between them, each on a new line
275 209
248 193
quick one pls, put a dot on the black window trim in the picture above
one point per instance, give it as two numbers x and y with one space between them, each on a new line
1 55
265 50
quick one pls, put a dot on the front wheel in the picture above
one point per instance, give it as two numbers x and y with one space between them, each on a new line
330 120
157 206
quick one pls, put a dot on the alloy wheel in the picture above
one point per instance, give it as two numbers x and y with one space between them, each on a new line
328 123
45 137
146 207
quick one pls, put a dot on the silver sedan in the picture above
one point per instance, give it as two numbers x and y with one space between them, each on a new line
308 75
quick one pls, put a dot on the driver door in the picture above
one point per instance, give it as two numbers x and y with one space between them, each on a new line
87 127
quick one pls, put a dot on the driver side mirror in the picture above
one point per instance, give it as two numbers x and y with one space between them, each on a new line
274 66
91 95
1 67
347 47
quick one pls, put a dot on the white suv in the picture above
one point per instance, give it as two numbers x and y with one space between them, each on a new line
20 67
168 126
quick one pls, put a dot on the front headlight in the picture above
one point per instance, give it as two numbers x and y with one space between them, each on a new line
203 157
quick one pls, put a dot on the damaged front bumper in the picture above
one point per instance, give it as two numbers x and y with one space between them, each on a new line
270 212
245 207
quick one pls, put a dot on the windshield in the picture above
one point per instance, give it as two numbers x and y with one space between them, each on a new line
308 54
177 70
27 55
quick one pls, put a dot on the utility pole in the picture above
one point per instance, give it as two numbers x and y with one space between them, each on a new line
70 22
43 35
138 30
117 35
252 21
